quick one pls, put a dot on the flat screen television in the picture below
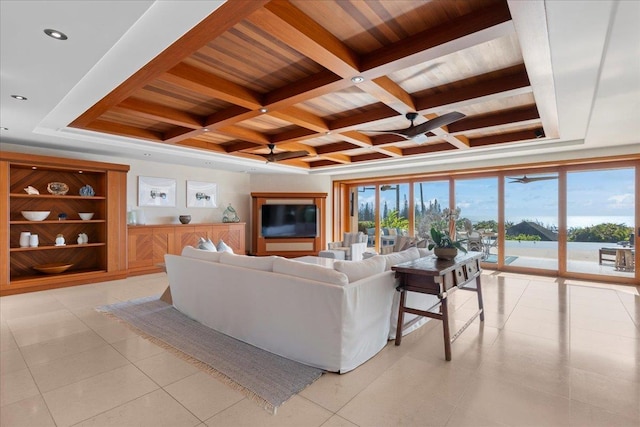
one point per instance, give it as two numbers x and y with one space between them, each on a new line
289 221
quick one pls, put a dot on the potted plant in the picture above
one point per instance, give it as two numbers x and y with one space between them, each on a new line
444 246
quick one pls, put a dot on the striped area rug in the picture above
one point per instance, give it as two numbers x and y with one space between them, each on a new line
268 379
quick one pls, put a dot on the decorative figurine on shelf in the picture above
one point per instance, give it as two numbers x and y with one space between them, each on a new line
31 190
62 216
57 188
87 191
83 238
230 215
60 240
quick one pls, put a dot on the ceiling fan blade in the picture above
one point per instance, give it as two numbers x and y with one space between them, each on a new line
439 121
290 155
388 132
525 179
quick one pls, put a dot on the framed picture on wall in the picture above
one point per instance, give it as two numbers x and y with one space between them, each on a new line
159 192
202 194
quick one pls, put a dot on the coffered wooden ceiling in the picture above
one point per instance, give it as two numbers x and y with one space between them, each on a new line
295 60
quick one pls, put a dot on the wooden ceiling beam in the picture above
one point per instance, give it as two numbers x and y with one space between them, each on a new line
230 116
355 120
211 27
322 163
180 133
301 118
244 134
124 130
481 91
305 89
427 148
336 147
296 146
161 113
290 25
487 121
519 136
337 158
199 81
199 143
240 146
368 156
293 135
466 31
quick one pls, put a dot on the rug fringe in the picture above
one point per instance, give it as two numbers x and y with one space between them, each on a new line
197 363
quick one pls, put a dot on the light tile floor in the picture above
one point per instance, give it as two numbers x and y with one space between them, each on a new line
550 353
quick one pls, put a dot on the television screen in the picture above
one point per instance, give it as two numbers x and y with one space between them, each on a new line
289 221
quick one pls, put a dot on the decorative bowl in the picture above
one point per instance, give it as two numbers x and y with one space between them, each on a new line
54 268
85 215
35 215
185 219
57 188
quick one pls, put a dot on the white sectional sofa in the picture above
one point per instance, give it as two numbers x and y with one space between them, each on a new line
331 318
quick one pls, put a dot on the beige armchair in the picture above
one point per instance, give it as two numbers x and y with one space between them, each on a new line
353 245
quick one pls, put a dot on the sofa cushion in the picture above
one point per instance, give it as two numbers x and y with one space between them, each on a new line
424 252
191 252
206 245
356 270
309 271
262 263
400 257
223 247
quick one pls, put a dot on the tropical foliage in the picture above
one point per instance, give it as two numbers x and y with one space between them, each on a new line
441 239
607 232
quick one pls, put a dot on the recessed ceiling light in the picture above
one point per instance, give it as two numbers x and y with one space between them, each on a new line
445 136
79 171
147 155
357 79
34 167
205 130
263 110
55 34
19 97
328 132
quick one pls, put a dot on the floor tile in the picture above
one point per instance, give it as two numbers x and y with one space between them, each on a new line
137 348
155 409
17 385
90 397
29 412
297 411
48 331
203 395
165 368
338 421
58 348
76 367
511 404
12 361
616 395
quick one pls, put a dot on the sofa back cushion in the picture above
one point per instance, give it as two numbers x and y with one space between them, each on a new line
191 252
400 257
309 271
356 270
263 263
206 245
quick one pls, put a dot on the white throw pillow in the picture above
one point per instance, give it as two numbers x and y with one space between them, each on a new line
309 271
356 270
206 245
223 247
263 263
399 257
191 252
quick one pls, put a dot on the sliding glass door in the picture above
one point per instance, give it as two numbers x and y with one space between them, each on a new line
600 222
477 200
531 221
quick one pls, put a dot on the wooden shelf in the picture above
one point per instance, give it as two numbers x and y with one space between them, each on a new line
54 196
56 221
45 248
105 258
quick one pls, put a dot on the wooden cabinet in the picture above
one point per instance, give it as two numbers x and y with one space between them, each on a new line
102 258
287 246
147 244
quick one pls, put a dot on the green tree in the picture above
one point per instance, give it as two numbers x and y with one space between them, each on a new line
392 220
607 232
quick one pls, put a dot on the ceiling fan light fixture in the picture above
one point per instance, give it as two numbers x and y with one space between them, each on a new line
357 79
19 97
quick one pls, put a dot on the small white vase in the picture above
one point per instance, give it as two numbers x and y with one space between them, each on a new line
60 240
24 239
33 240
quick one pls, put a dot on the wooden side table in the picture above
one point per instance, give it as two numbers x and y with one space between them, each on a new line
432 276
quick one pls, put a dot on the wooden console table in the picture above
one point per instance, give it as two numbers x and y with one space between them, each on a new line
432 276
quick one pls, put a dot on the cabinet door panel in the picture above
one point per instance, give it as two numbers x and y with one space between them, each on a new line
162 244
140 245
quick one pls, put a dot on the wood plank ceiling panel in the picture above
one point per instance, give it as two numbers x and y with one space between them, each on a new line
280 71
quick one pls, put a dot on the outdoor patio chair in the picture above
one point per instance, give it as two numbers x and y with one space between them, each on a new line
353 245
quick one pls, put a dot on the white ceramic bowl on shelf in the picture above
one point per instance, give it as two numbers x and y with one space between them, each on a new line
85 215
35 215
